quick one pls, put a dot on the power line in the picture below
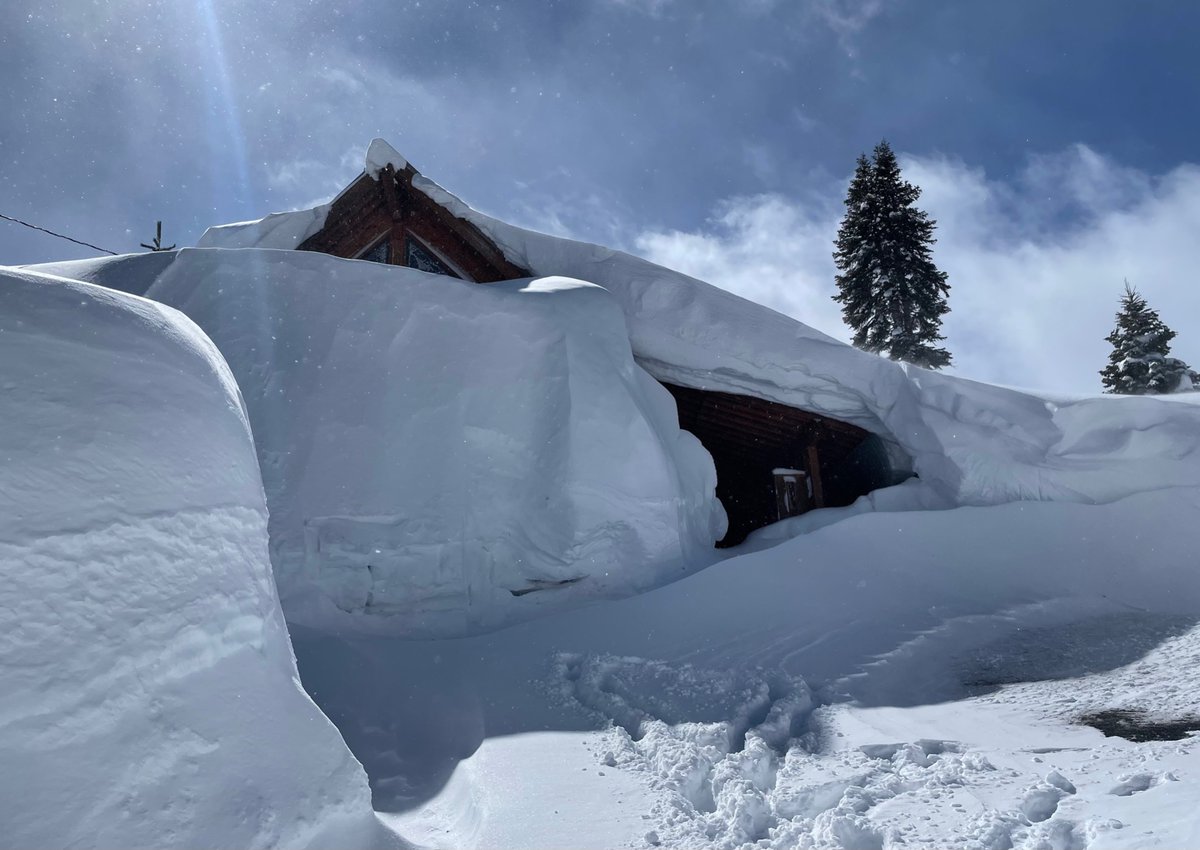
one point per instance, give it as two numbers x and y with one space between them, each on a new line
59 235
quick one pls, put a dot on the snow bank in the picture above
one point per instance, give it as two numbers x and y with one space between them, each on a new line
380 155
978 444
705 688
442 457
975 444
1046 538
150 696
131 273
278 230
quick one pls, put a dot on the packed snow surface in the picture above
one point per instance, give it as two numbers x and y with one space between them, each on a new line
148 693
442 457
849 688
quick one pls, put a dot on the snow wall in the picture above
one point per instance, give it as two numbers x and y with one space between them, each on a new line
972 443
440 457
148 692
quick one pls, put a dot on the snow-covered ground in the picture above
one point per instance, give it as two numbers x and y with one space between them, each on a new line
838 690
148 692
918 668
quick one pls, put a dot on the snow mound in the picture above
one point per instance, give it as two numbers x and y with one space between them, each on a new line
278 230
131 273
380 155
150 696
288 229
976 443
442 457
972 443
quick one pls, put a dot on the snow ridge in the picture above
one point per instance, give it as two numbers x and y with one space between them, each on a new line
440 457
150 693
973 443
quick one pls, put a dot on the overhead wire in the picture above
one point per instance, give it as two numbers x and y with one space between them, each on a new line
59 235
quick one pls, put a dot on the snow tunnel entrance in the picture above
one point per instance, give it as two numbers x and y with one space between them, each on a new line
775 461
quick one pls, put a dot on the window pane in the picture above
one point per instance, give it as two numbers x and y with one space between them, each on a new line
378 253
417 256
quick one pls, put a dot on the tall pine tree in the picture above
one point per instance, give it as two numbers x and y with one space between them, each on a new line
892 295
1139 363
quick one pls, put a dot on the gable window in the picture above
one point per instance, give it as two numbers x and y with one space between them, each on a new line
418 256
377 253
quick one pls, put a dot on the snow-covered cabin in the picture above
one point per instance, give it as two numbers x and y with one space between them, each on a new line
380 217
773 460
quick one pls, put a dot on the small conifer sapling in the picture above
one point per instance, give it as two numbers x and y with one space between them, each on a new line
1139 363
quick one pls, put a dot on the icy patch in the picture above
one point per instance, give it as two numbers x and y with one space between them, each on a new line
633 692
1138 726
975 654
1154 694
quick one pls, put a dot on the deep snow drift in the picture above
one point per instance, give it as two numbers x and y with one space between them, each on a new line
912 669
148 693
976 443
442 457
1046 538
717 674
972 443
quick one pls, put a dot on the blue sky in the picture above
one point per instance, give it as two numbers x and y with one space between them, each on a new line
1053 140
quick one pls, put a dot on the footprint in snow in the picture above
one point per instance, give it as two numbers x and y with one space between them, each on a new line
1133 784
1041 801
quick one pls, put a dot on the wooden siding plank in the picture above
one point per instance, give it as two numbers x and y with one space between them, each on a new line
369 207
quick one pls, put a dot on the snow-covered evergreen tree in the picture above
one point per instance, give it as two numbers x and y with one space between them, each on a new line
892 295
1139 363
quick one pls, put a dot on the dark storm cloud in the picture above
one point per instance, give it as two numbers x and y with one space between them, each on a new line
608 119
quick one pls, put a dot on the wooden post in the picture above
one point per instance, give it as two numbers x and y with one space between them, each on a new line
814 475
387 179
387 182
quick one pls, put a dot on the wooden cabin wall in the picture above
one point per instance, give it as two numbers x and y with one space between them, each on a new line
356 221
390 207
749 437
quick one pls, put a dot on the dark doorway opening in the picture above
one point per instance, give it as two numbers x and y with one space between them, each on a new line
775 461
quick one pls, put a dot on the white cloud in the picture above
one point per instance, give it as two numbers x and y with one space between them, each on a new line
847 18
766 248
1036 264
653 8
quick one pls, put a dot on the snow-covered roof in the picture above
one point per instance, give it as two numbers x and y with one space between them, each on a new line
380 155
979 443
